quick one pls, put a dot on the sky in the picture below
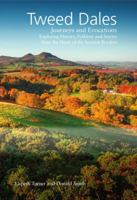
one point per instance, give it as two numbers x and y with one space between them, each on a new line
18 38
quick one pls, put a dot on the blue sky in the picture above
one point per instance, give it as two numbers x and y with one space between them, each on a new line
17 37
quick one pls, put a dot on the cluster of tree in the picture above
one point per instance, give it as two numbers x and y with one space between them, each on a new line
35 162
112 177
127 89
106 112
83 93
109 109
21 97
9 82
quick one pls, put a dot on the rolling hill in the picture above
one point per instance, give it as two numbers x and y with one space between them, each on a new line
12 114
44 58
20 116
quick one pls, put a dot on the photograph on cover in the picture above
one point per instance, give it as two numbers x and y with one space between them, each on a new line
68 100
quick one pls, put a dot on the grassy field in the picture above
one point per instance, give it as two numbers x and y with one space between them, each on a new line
7 68
60 122
35 117
65 67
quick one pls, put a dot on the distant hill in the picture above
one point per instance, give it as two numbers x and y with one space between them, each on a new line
112 64
27 58
4 60
48 59
44 58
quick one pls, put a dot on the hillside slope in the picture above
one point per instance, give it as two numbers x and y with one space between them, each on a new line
44 57
12 115
21 115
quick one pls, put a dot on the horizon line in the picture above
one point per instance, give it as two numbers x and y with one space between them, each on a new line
70 58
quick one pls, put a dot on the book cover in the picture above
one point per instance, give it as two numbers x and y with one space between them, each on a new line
68 100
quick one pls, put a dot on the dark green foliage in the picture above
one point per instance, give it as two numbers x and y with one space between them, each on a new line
36 164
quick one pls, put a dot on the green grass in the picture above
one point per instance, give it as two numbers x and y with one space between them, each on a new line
63 67
7 68
35 117
64 123
11 69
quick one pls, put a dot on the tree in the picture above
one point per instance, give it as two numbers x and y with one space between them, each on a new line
133 120
92 179
54 102
72 104
46 195
3 92
128 89
13 92
19 182
76 86
102 84
106 113
92 96
106 160
129 195
44 96
108 182
85 87
28 99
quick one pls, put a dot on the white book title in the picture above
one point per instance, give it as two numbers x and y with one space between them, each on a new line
83 19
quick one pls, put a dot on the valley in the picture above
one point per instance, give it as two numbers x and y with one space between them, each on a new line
64 122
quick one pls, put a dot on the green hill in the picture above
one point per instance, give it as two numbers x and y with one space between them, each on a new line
16 115
12 115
